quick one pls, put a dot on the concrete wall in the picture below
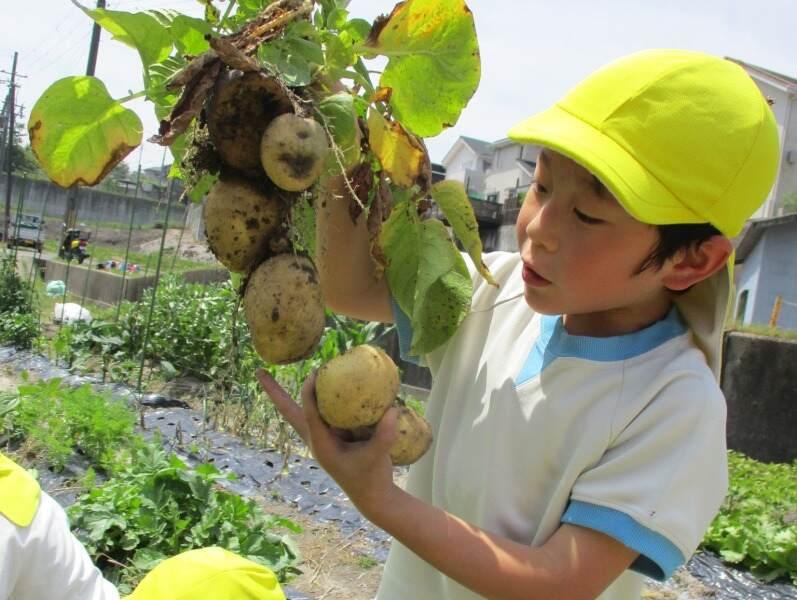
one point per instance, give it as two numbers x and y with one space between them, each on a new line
106 288
759 382
93 205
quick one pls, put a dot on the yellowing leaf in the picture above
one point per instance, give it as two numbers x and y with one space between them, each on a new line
434 66
452 199
401 154
79 133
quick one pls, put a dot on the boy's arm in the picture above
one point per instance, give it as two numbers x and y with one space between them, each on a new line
343 257
575 563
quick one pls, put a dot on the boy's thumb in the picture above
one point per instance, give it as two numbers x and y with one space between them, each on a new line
386 430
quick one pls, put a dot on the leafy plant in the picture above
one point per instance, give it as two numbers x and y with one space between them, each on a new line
316 53
55 421
158 507
19 322
757 525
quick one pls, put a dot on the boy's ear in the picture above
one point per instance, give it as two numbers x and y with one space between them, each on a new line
697 263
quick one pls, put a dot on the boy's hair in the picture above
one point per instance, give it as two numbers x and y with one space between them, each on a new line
673 238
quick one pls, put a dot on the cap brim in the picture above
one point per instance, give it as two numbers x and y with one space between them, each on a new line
639 192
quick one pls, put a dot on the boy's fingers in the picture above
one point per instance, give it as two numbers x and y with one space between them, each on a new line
290 411
309 404
386 430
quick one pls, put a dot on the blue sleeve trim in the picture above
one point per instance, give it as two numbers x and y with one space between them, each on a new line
658 556
404 328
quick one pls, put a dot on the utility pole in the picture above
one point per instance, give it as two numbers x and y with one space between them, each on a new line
11 109
70 218
95 43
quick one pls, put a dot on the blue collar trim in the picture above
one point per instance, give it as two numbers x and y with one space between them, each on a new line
554 342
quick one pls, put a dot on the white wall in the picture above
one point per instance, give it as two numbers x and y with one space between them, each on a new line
785 110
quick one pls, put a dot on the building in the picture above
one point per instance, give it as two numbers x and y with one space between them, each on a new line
766 267
496 177
782 90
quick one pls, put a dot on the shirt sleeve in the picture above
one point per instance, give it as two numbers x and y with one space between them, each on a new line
44 557
662 480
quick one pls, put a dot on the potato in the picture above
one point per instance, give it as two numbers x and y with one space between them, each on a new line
284 308
240 218
414 437
242 106
293 151
356 388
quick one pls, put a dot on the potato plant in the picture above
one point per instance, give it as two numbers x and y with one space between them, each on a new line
260 102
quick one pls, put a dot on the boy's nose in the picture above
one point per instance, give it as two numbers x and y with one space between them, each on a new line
542 229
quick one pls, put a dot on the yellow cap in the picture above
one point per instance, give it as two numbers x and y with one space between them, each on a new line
676 136
19 493
208 573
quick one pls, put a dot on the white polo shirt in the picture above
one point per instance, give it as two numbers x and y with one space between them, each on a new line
535 427
44 560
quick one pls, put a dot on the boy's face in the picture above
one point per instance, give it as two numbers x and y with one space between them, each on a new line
582 252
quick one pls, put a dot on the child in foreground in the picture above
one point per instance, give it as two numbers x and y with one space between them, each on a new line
579 426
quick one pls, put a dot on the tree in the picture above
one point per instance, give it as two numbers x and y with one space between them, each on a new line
23 161
119 173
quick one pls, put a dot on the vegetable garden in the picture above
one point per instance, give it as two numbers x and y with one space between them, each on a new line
256 102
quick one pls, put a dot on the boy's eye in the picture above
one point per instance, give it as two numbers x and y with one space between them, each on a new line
586 218
538 187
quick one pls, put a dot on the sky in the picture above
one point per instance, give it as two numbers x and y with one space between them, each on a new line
532 51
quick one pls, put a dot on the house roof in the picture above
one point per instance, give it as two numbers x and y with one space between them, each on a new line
480 147
783 81
753 231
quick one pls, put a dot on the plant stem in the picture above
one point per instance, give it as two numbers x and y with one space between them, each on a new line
130 97
226 14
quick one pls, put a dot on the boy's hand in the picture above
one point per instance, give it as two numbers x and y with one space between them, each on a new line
362 469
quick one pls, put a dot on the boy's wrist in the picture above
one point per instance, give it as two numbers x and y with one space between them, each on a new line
379 505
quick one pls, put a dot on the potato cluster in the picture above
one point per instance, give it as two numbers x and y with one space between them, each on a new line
355 390
268 154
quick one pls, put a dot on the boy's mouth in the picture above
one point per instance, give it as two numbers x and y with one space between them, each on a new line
532 278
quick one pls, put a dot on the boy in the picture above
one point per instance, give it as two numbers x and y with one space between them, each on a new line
579 427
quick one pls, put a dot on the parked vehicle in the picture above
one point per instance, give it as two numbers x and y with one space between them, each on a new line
27 231
74 245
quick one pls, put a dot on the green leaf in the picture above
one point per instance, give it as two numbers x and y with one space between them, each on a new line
452 199
427 276
281 60
433 67
143 31
79 133
399 240
443 292
340 118
188 34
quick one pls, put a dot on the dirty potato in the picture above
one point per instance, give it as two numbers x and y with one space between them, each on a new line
240 218
414 437
284 308
356 388
293 152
